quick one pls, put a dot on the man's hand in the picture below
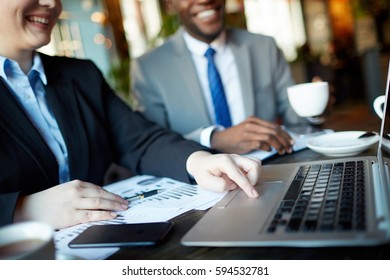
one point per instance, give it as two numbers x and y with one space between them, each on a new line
69 204
252 134
225 172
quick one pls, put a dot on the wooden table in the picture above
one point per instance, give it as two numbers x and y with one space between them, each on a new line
355 116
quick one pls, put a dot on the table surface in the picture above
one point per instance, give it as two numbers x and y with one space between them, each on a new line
355 116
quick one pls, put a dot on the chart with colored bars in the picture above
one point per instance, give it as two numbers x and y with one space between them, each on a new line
151 199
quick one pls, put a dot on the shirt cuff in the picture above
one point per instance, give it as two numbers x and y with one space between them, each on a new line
205 134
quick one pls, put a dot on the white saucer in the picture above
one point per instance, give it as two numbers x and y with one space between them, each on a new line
345 143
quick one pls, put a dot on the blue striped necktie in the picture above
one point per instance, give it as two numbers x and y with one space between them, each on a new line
221 109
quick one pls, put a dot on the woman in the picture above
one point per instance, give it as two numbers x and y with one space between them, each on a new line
61 127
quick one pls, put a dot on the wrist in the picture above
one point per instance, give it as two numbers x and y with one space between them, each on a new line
193 159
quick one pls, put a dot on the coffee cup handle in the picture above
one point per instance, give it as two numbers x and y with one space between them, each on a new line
378 103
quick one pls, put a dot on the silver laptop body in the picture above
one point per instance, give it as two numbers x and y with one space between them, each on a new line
272 220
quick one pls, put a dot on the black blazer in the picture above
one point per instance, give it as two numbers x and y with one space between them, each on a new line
98 129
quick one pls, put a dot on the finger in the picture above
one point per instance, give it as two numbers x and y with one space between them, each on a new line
254 139
262 123
266 128
281 142
89 190
256 128
217 183
272 129
265 146
85 216
251 168
247 146
287 139
229 185
236 174
266 142
275 136
99 203
273 142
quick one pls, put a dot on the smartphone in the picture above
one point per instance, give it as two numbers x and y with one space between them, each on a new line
122 235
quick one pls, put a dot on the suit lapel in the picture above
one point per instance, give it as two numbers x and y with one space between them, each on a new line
18 125
183 61
242 57
62 98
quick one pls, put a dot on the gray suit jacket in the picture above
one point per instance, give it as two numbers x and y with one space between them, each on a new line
169 92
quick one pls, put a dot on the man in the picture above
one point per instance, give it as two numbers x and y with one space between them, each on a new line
173 89
62 126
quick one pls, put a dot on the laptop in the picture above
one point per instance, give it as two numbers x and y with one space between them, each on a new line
335 202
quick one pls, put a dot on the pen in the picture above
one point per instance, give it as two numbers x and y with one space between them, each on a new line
144 194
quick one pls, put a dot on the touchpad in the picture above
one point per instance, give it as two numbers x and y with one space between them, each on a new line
268 191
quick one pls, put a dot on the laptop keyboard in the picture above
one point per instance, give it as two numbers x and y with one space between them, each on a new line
323 198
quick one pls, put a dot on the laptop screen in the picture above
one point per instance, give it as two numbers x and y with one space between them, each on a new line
384 141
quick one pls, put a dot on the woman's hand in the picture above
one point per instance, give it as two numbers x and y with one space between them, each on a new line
69 204
225 172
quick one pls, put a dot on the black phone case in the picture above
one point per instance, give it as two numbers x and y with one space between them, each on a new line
123 235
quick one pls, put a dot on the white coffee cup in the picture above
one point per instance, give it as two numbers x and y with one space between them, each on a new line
309 99
378 105
28 241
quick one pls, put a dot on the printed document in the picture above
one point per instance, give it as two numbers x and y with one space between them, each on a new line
171 199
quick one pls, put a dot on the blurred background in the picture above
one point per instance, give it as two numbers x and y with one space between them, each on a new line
346 42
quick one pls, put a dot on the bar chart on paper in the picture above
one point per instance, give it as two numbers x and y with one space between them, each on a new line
172 198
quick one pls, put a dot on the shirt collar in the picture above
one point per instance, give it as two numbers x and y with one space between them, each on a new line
199 47
37 66
2 66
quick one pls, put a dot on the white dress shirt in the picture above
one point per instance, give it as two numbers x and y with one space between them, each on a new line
29 90
227 69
